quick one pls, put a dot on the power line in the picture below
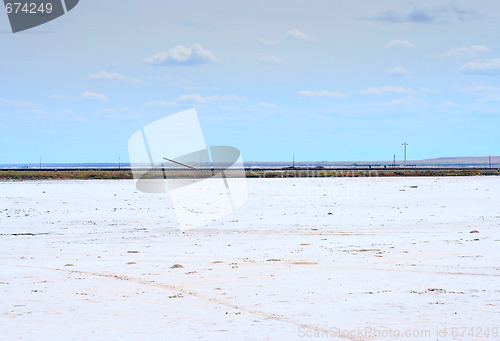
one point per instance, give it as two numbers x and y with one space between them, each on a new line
405 144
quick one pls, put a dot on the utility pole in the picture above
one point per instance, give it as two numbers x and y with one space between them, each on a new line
40 162
489 160
394 162
405 144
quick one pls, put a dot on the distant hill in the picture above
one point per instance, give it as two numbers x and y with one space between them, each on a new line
465 160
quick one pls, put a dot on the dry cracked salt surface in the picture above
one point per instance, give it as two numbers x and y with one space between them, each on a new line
302 259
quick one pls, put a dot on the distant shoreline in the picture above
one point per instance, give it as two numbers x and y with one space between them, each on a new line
124 174
442 162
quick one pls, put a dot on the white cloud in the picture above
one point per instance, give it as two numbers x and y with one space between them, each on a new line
164 77
480 89
466 52
182 55
487 93
161 104
495 98
429 91
187 84
449 104
112 76
396 43
119 114
179 82
89 95
482 67
196 98
20 104
192 98
398 71
427 13
322 93
71 114
408 101
228 108
216 98
298 35
271 60
267 42
24 106
387 89
34 111
61 97
266 105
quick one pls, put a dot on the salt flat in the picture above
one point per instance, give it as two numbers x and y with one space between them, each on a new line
303 257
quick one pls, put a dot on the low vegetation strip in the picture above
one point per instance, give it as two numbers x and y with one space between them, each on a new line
64 175
127 174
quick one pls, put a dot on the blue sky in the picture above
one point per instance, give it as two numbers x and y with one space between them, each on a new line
326 80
